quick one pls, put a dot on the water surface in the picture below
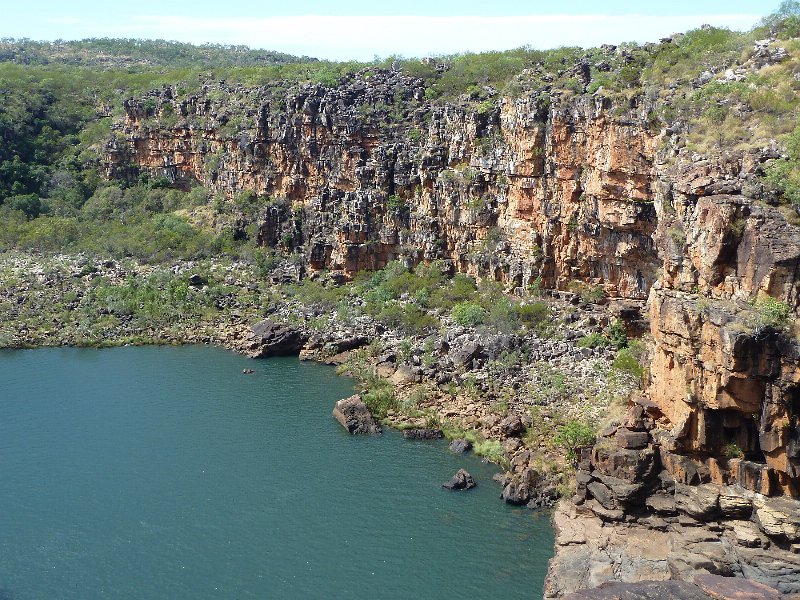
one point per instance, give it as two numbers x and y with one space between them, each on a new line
166 473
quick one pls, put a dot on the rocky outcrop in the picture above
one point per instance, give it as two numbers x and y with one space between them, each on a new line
354 416
423 434
274 339
460 446
515 193
706 587
462 480
650 513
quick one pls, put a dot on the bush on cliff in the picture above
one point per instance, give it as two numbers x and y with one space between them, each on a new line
784 174
573 435
771 313
468 314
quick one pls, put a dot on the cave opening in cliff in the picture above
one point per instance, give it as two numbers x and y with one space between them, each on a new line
740 432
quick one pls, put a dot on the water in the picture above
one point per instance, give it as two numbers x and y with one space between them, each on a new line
166 473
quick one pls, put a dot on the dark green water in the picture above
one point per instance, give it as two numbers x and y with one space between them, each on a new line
165 473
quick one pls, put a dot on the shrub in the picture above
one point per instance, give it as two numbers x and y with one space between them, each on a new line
626 362
533 314
593 340
771 312
409 318
615 334
573 435
380 399
733 450
468 314
784 174
460 288
491 450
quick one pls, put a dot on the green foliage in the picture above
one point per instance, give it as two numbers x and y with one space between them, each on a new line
591 294
407 317
315 293
461 288
135 221
572 435
784 22
784 174
733 450
469 314
626 362
107 52
380 399
594 340
396 281
491 450
698 50
615 334
533 314
771 312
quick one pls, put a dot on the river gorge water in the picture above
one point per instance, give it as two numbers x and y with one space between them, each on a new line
164 472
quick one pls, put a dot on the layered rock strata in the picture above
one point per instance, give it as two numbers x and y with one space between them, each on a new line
567 194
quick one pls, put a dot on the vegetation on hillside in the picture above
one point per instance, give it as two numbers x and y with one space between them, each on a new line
59 100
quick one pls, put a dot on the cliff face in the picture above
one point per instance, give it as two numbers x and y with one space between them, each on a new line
572 191
515 192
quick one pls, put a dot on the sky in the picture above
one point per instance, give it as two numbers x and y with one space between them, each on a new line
362 30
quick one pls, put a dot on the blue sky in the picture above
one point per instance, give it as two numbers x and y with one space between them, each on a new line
359 29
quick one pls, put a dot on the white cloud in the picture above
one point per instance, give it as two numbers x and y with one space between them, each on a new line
362 37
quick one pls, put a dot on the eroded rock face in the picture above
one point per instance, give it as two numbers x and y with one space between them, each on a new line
517 193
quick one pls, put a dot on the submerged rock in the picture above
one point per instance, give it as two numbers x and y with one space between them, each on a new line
354 416
460 481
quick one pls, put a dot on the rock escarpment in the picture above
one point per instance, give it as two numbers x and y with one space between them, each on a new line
569 192
515 192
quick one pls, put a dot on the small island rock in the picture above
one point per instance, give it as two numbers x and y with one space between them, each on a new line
354 416
460 481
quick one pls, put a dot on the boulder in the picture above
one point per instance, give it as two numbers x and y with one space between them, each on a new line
462 355
663 504
404 375
602 494
269 338
733 502
629 465
354 416
423 434
462 480
512 426
521 488
460 446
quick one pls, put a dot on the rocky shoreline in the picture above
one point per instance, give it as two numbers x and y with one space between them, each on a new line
630 520
457 379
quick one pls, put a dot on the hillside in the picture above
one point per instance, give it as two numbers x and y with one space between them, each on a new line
539 240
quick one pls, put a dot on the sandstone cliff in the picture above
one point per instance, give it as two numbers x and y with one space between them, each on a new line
566 188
